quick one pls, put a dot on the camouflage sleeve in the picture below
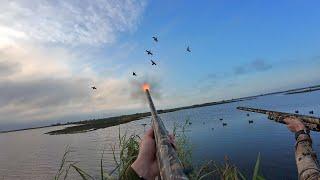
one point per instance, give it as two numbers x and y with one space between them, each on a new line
306 159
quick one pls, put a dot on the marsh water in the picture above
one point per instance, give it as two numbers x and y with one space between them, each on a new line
31 154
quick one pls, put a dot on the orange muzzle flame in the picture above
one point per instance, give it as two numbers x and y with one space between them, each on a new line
145 87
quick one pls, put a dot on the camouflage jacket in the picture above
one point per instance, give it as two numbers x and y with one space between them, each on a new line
306 159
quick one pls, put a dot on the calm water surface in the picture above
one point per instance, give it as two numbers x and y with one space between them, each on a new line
34 155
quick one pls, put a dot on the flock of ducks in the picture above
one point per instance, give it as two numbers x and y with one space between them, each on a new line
149 53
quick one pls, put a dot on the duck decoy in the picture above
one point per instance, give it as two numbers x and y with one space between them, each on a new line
144 126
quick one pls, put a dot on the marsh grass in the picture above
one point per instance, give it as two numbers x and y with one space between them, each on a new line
128 147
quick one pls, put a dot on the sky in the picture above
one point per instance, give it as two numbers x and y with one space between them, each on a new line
52 52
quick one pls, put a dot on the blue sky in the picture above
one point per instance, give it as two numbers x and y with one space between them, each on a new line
227 37
52 52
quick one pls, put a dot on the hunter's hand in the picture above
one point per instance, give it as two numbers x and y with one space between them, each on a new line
146 164
294 124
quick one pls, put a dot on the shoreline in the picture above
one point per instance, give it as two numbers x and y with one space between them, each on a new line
91 125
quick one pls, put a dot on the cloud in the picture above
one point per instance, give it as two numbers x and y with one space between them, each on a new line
240 70
260 65
41 84
316 58
28 61
69 22
257 65
33 80
211 76
49 58
40 99
230 79
7 68
43 93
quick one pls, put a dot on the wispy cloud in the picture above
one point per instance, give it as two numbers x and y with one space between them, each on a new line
316 58
70 22
256 65
232 79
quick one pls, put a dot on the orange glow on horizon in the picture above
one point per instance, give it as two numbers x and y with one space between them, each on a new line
145 87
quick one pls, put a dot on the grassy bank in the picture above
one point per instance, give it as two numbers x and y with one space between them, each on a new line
91 125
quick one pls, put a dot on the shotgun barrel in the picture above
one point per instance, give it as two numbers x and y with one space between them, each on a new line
169 164
312 123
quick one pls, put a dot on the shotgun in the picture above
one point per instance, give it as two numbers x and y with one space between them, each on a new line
310 122
169 164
